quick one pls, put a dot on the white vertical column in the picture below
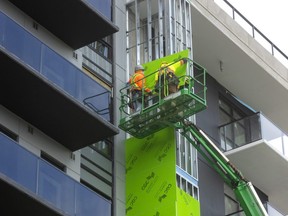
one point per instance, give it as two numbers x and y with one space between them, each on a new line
149 30
137 17
127 44
190 32
184 23
168 27
173 21
160 20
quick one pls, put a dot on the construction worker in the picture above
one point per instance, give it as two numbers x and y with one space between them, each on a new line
138 87
165 80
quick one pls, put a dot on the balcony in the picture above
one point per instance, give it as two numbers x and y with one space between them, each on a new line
238 62
271 210
31 186
258 148
49 92
72 21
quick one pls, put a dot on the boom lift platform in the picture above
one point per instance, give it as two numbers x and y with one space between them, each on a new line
158 112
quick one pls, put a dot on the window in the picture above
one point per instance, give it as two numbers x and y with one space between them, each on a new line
103 48
97 169
232 206
186 156
53 161
8 133
228 113
104 147
97 59
232 134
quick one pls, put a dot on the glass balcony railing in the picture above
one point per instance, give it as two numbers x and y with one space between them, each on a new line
35 54
251 129
271 210
49 183
104 7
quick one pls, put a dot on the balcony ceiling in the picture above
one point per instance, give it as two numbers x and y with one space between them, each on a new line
74 21
249 72
16 200
30 96
271 169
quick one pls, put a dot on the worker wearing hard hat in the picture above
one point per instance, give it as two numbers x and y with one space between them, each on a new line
165 80
138 87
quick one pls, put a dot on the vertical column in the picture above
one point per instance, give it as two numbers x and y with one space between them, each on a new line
137 17
184 23
180 20
168 27
149 30
160 19
190 45
127 44
173 25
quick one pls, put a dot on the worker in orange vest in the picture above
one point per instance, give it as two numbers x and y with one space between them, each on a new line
138 88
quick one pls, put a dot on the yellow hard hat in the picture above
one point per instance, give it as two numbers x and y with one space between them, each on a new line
164 64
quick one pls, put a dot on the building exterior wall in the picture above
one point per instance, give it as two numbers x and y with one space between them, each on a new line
211 187
38 141
35 141
129 49
45 148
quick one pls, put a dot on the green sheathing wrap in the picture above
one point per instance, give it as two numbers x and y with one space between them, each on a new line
151 175
186 204
152 67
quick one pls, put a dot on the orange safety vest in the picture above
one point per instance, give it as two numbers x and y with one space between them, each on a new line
138 81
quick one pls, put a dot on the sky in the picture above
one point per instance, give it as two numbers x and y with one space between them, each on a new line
269 16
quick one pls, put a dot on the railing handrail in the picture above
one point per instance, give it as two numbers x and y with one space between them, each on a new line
273 46
125 98
94 108
39 68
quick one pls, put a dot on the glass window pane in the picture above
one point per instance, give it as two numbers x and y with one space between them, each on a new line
17 164
178 180
183 184
59 71
189 189
230 205
236 115
224 106
89 203
224 118
22 44
195 192
55 187
239 133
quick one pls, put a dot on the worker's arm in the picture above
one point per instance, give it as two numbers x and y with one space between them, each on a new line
177 64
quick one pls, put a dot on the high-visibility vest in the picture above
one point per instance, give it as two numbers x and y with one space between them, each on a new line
137 81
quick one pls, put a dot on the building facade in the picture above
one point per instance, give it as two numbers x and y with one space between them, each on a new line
57 119
61 151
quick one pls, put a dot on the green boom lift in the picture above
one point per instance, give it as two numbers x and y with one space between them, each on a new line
158 112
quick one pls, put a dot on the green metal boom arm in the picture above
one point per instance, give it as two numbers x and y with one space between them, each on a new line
243 189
